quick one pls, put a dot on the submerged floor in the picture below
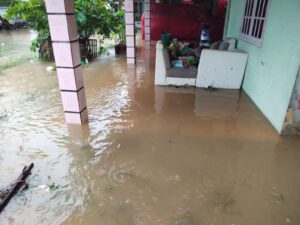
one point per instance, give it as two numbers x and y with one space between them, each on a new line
150 155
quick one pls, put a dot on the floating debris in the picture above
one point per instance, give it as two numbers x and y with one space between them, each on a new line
279 197
8 192
50 68
3 116
53 186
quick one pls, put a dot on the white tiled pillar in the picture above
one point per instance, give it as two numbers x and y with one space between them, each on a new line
65 41
147 8
130 32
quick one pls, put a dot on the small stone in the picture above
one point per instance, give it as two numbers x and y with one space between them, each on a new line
287 220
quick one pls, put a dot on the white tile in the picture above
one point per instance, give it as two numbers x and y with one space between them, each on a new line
147 22
147 6
72 27
147 30
76 53
147 37
147 14
129 18
130 52
73 118
130 42
60 6
66 54
130 60
129 29
84 116
70 79
81 99
129 6
70 101
62 27
63 54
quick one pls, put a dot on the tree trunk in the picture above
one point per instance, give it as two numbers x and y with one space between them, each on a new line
46 50
5 23
17 184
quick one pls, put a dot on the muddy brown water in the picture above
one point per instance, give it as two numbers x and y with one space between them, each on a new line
149 155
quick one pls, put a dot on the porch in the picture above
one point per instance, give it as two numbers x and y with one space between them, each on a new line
64 38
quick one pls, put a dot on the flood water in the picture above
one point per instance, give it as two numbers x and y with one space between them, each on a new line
149 155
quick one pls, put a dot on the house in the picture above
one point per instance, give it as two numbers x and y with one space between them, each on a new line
268 30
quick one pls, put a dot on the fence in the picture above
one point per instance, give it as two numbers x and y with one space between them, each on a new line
88 48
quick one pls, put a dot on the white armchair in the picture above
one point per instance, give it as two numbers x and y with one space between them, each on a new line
222 68
167 75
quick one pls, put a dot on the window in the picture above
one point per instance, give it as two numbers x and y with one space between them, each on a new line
254 21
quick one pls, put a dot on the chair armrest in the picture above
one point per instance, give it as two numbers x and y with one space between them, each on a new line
221 69
162 64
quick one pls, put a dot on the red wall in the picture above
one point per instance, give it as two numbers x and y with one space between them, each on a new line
184 21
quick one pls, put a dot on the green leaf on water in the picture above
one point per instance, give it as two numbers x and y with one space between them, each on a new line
279 197
53 186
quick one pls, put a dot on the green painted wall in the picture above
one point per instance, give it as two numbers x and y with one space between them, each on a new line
272 69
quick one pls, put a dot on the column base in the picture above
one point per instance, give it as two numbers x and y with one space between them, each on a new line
77 117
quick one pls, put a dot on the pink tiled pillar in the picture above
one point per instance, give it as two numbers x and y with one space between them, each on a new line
130 31
65 40
147 8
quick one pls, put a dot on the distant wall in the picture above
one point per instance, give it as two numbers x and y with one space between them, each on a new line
272 69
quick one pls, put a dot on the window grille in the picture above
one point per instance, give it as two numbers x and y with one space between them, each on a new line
254 21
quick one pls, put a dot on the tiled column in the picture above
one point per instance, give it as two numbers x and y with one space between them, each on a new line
147 7
130 31
65 41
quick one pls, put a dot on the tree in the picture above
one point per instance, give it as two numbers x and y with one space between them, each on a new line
92 16
6 2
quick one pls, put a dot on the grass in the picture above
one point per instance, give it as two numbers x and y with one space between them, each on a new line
14 54
10 49
15 62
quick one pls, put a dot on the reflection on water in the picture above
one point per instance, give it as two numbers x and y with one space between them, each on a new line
150 155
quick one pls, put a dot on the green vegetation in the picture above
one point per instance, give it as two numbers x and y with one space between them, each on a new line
6 2
93 17
14 54
119 31
15 62
53 186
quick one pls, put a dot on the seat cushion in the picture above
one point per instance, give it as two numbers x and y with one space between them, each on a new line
215 45
190 72
224 45
232 43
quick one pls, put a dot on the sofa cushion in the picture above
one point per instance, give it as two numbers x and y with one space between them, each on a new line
215 45
190 72
231 42
223 45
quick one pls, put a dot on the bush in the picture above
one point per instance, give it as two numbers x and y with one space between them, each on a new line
92 16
